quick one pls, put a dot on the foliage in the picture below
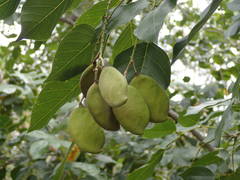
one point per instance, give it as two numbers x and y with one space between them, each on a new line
193 54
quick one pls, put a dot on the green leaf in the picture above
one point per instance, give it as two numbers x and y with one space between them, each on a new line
224 124
149 27
90 169
160 130
147 170
8 7
181 44
94 15
125 13
200 107
189 120
198 173
210 158
125 40
58 173
53 95
38 18
5 122
236 88
149 59
74 53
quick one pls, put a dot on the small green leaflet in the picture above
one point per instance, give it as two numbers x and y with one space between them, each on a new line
198 173
39 17
147 170
160 130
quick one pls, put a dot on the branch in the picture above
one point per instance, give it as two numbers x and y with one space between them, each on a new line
67 21
195 133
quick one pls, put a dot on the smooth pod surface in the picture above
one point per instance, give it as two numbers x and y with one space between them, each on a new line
154 95
84 131
113 86
87 79
134 114
100 110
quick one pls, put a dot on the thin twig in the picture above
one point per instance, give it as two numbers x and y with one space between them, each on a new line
195 133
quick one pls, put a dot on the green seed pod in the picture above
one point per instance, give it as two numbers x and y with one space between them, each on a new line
134 114
84 131
87 79
113 86
100 110
154 95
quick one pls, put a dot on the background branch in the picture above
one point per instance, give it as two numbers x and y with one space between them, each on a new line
195 133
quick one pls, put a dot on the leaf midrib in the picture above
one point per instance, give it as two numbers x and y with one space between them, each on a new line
1 5
56 105
45 17
71 60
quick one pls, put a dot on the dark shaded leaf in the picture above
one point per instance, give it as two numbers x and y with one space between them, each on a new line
38 18
181 44
149 27
8 7
74 53
149 59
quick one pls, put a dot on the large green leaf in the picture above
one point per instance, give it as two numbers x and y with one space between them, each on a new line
147 170
149 27
38 18
74 53
125 40
53 95
125 13
160 130
8 7
198 173
149 59
181 44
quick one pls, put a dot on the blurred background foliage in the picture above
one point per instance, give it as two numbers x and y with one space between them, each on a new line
207 71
